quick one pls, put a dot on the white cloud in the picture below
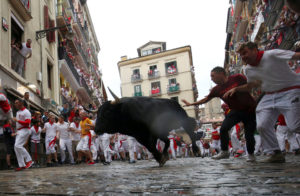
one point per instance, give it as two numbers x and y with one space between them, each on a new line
124 25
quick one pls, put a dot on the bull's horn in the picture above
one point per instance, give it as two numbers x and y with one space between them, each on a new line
90 111
117 99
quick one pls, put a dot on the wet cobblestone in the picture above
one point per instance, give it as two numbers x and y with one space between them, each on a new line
188 176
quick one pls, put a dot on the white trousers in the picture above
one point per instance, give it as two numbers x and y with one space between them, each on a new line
63 145
132 147
235 142
268 110
83 144
49 149
172 148
106 149
216 144
283 134
21 152
94 151
258 146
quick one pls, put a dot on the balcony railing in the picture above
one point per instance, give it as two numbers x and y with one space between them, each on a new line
171 71
137 94
173 88
77 20
83 54
80 80
17 62
136 78
153 74
155 92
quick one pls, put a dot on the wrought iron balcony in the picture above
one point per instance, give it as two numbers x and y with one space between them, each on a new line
153 74
136 78
173 88
137 94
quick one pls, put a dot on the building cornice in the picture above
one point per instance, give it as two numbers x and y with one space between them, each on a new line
155 56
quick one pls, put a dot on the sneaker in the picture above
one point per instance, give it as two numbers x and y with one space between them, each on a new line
221 155
251 158
91 163
19 168
275 158
28 164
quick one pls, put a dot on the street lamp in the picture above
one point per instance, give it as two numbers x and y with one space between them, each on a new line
42 33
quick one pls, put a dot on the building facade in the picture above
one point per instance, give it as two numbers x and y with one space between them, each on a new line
268 23
158 72
63 56
212 112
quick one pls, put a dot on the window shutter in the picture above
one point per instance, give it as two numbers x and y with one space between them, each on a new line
52 33
46 20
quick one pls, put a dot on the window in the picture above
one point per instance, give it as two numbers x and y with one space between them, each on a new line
136 74
155 88
49 75
172 82
153 72
174 98
171 67
156 50
137 90
17 60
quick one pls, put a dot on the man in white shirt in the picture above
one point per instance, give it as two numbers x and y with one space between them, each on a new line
65 141
23 120
26 52
269 69
50 140
75 135
35 145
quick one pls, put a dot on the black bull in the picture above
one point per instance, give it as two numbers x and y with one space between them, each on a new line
146 119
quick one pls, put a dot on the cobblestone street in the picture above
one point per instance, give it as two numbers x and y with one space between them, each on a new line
189 176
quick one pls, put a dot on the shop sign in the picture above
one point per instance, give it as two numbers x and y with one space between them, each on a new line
4 24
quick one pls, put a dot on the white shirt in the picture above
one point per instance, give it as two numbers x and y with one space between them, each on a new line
22 115
50 129
35 136
273 71
63 129
75 136
25 51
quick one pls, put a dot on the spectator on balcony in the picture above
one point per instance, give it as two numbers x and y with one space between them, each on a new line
26 52
65 112
26 100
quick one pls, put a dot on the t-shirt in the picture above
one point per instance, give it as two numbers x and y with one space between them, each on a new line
75 136
84 127
63 129
239 100
35 135
50 129
25 51
273 71
23 119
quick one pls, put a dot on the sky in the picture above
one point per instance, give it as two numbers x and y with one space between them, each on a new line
122 26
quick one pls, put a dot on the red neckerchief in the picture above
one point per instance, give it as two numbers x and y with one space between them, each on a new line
77 124
258 58
51 123
83 119
28 45
22 109
36 128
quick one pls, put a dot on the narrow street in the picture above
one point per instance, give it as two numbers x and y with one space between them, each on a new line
188 176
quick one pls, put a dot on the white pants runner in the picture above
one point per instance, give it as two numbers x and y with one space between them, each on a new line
21 152
268 110
132 147
283 134
63 145
235 142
